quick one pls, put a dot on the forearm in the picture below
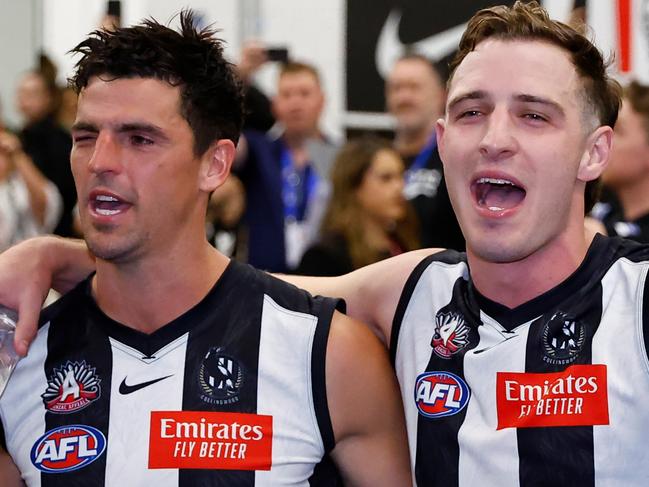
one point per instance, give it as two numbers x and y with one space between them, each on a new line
68 260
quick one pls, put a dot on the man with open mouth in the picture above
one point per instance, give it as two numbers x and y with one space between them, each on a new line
524 360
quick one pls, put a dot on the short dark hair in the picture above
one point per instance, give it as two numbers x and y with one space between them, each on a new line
529 21
192 59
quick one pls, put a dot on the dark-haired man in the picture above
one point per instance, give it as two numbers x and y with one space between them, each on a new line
524 361
172 365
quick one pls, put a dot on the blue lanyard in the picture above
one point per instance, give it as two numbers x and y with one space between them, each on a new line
421 159
297 187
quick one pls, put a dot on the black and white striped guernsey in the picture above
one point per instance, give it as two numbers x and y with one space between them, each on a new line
231 393
551 393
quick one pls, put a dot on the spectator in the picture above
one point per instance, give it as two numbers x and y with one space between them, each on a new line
286 177
368 218
628 172
46 142
30 205
415 97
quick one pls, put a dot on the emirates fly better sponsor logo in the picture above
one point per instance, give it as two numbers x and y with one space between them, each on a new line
211 440
578 396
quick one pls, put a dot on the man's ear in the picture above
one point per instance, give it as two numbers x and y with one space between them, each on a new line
216 164
440 127
596 154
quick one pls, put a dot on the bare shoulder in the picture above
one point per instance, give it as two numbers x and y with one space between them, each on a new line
365 407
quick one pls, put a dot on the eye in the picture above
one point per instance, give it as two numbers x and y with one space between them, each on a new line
141 140
535 117
470 114
81 138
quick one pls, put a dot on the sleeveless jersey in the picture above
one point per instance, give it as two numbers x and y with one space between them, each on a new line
231 393
552 392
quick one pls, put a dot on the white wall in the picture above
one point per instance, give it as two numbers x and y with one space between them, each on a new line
312 30
20 36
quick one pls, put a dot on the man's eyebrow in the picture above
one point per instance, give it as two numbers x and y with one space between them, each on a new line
541 100
140 127
146 128
87 127
472 95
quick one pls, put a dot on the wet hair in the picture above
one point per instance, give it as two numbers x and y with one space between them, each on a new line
637 95
529 21
192 59
344 213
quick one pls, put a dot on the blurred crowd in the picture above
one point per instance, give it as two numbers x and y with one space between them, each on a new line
299 200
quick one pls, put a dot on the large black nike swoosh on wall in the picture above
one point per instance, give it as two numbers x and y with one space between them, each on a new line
128 389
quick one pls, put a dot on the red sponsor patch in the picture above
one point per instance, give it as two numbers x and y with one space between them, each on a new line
217 441
578 396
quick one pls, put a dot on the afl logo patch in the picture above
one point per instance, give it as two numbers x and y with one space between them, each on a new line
220 377
68 448
563 339
71 387
440 394
451 334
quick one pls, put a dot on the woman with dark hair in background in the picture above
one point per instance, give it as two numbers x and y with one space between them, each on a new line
368 219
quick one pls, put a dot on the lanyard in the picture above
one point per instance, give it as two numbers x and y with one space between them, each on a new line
297 187
421 159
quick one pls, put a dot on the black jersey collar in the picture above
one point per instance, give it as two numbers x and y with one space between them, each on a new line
595 263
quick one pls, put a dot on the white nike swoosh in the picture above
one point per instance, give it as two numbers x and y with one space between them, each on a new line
389 48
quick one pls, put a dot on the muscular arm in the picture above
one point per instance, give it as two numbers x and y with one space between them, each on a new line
29 269
9 473
365 407
371 293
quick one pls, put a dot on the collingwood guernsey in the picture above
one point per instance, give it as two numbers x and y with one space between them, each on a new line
553 392
231 393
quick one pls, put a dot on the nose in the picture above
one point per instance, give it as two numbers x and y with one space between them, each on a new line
105 155
498 141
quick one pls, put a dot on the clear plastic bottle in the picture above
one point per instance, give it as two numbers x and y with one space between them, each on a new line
8 355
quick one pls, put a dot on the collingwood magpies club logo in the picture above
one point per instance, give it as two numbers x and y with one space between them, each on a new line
220 377
451 334
71 387
563 339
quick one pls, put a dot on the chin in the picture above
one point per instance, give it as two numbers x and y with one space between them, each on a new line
497 252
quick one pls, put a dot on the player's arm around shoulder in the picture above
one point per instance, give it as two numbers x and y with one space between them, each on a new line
365 407
371 293
9 473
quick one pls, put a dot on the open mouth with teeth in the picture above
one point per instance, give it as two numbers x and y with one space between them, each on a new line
497 194
106 205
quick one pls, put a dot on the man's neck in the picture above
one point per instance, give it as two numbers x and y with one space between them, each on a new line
296 143
149 294
412 142
515 283
633 198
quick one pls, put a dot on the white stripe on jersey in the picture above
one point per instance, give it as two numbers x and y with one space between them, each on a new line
285 348
418 315
25 389
619 344
130 417
494 352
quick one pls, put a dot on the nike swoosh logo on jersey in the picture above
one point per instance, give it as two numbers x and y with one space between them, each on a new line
389 48
124 388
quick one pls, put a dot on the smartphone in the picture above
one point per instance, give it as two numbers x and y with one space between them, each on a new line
277 54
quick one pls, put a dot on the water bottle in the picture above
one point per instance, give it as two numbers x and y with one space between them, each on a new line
8 355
